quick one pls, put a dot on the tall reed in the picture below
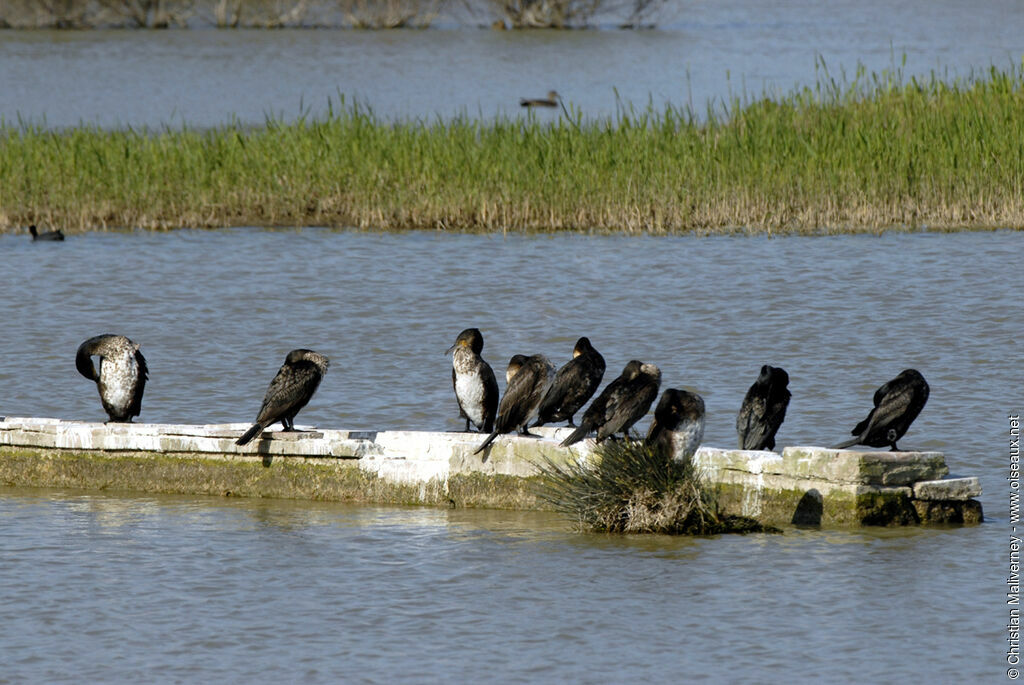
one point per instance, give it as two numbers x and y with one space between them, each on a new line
874 152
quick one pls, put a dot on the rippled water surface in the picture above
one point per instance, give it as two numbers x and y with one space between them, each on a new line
107 587
703 51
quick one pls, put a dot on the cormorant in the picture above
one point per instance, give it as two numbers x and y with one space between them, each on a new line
622 403
763 409
290 391
528 379
574 384
897 404
473 379
49 235
122 375
551 100
678 423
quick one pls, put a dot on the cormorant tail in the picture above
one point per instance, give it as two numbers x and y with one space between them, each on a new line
848 443
576 435
250 434
488 441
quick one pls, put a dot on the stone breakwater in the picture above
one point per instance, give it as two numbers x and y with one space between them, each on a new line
802 485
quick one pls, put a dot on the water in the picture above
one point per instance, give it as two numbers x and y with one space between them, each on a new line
174 589
117 587
705 51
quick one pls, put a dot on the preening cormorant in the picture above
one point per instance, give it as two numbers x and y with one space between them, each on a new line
678 423
621 404
292 387
528 379
763 409
574 384
48 235
473 379
551 100
897 404
122 375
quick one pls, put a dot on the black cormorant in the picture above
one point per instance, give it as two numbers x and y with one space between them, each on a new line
551 100
290 391
678 423
49 235
621 404
763 409
122 375
574 384
473 379
897 404
528 379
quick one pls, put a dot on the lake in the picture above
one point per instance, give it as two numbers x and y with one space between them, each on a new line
704 52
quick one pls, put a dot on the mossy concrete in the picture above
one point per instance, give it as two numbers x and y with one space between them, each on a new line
802 485
828 487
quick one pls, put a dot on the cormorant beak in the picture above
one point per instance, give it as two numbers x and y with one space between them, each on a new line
449 350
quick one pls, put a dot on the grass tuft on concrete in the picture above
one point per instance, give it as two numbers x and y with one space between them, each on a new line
632 487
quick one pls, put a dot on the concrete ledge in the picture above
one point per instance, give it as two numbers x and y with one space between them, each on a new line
959 489
803 485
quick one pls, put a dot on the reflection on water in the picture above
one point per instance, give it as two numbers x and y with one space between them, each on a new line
708 51
202 589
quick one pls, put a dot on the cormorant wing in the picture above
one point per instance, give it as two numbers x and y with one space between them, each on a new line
886 388
135 408
515 404
292 388
901 399
628 406
751 423
574 383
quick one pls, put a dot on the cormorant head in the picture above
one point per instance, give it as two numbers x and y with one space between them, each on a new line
653 371
691 405
471 338
514 364
779 376
632 369
304 355
912 375
33 231
582 345
667 412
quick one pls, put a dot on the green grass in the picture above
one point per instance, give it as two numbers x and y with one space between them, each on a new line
866 154
633 487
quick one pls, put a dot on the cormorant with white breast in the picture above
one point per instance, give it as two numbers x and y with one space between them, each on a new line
122 375
527 380
292 388
473 379
763 409
897 404
48 235
621 404
678 424
574 384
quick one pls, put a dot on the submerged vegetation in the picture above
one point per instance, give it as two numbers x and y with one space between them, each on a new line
874 153
633 487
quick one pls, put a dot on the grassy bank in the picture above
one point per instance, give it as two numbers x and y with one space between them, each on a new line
875 153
